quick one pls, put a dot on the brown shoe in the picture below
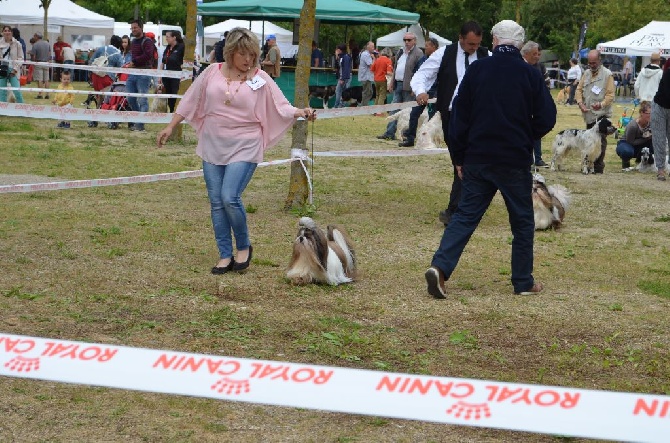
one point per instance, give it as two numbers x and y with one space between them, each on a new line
435 281
535 289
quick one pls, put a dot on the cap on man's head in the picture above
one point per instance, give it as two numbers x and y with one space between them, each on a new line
509 30
38 35
151 35
271 37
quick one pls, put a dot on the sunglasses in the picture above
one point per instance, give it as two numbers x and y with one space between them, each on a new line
407 39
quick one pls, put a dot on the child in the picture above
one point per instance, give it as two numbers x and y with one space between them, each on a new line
64 99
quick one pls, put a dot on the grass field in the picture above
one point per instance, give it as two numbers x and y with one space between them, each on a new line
129 265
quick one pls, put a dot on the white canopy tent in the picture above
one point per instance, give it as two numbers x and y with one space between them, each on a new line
262 29
65 18
654 37
394 39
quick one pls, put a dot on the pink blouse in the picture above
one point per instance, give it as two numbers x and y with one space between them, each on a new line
254 121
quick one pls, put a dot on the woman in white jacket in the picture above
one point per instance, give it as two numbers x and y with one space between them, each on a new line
11 54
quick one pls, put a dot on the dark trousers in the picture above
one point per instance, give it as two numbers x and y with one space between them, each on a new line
599 164
573 89
456 185
171 86
480 184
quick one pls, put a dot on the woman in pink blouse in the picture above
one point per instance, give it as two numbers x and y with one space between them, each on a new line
238 112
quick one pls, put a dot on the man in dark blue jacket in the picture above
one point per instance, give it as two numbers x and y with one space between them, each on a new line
492 148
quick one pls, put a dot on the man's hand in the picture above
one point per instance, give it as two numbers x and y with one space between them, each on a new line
459 170
422 99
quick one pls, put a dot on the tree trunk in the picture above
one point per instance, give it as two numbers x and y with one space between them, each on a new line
189 52
298 190
45 6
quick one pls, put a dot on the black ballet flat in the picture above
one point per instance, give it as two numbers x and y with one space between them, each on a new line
219 270
244 265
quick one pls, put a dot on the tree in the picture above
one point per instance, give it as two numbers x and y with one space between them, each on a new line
189 51
172 12
298 190
623 17
44 4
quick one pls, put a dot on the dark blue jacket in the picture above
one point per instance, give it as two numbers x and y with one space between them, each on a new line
501 107
345 65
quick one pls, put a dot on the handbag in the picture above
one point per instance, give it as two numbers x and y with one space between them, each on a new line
5 69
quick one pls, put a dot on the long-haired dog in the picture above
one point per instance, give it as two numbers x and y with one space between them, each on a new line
402 118
430 135
584 141
321 256
647 161
549 203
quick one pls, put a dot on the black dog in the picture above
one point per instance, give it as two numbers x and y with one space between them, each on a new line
322 92
356 93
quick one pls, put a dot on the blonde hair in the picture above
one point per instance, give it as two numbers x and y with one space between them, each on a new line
644 106
241 40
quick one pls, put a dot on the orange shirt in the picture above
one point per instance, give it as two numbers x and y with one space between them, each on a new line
380 67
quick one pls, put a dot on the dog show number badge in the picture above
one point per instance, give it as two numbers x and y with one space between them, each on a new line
256 82
596 90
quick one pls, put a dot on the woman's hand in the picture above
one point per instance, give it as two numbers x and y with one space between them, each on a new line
307 113
163 136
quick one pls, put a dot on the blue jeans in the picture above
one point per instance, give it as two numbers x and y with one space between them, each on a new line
414 116
225 184
14 83
138 84
480 183
399 96
627 151
341 86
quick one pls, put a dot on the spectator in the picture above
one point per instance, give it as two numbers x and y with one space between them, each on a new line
365 75
646 83
41 51
595 94
492 150
431 46
344 67
232 136
317 60
636 137
381 67
173 58
272 62
627 75
64 99
17 35
125 49
660 123
11 53
68 58
58 56
142 49
574 74
447 67
354 51
405 61
531 52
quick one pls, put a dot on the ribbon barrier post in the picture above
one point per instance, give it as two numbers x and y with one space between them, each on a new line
480 403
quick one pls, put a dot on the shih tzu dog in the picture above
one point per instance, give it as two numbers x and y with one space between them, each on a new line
584 141
321 256
549 203
430 135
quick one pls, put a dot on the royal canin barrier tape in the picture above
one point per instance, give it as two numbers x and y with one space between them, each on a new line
92 183
184 74
480 403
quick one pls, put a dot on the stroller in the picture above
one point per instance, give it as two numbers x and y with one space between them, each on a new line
625 119
115 102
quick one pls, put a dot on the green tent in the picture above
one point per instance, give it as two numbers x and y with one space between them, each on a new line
328 11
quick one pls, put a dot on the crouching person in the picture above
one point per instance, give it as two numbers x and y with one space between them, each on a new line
636 138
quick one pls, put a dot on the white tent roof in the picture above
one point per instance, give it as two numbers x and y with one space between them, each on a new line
261 28
257 27
655 37
61 13
395 38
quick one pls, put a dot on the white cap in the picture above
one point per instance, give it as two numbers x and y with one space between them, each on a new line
509 30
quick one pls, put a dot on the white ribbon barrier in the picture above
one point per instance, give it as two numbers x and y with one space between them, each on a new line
458 401
297 155
184 74
87 92
64 113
